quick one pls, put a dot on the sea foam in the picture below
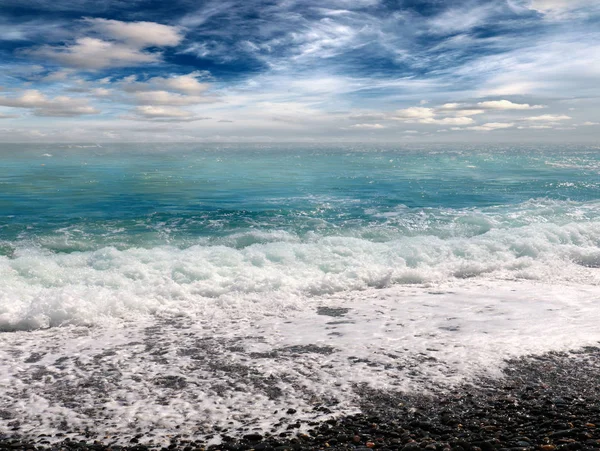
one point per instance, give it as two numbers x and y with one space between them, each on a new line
158 374
276 273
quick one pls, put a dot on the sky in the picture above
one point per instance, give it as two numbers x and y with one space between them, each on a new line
300 71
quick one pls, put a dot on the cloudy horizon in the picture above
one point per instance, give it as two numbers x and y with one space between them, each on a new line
260 70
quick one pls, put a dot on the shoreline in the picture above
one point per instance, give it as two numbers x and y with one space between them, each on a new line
542 402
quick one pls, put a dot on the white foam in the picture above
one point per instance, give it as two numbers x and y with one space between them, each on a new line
163 374
275 272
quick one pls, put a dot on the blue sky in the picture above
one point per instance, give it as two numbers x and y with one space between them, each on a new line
300 70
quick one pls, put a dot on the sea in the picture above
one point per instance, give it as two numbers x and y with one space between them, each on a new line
155 289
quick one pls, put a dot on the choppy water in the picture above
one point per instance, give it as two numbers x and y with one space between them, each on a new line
478 247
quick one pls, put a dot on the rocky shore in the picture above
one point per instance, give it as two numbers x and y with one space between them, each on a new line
548 402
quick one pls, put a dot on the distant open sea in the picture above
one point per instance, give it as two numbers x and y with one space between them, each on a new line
154 285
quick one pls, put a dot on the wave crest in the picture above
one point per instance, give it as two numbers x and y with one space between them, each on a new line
275 273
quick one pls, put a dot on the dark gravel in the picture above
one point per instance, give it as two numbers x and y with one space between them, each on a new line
549 402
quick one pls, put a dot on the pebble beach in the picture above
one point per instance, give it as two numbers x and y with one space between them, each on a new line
546 402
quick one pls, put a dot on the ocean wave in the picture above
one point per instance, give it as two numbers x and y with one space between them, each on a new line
274 272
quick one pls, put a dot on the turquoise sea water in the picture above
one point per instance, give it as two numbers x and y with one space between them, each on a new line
144 195
295 219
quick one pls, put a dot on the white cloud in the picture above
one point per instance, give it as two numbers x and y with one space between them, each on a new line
590 123
503 88
557 65
92 53
152 112
101 92
287 110
451 106
369 126
507 105
491 126
549 5
60 106
129 90
468 112
428 116
297 94
184 84
417 113
548 118
535 127
461 19
448 121
7 116
167 98
368 117
121 44
459 109
174 90
60 75
559 6
138 34
325 39
163 105
163 113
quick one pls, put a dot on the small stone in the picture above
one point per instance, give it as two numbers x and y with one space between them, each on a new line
563 433
253 437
